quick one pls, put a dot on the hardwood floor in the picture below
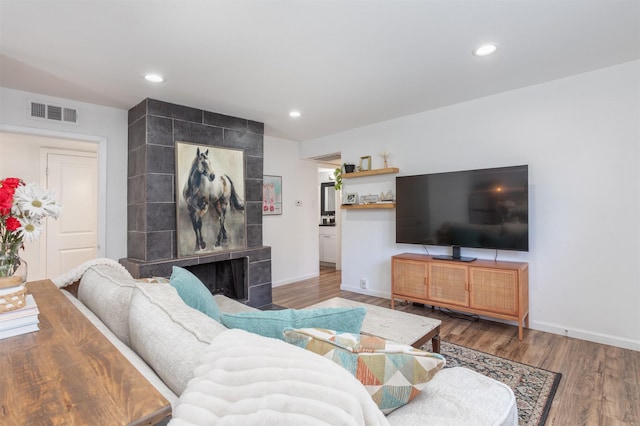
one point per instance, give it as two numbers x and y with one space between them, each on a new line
600 384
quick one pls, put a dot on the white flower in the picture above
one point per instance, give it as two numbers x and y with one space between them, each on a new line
30 229
35 202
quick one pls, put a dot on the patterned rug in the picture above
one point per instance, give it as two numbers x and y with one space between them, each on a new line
533 387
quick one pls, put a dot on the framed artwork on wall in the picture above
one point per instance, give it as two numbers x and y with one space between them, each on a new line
271 195
210 214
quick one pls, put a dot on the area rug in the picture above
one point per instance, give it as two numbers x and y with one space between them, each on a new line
533 387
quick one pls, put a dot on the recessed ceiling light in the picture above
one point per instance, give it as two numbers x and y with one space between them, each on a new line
295 114
485 50
154 78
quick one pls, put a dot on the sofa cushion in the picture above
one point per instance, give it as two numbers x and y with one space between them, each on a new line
392 373
107 291
458 396
168 334
194 292
231 306
246 379
273 323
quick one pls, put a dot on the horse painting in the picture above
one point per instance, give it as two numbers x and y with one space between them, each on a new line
205 191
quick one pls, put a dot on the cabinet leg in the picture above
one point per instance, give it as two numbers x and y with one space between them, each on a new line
392 303
520 333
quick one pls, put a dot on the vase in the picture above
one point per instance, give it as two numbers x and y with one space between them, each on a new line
13 269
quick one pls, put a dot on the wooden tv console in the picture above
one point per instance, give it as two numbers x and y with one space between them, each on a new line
482 287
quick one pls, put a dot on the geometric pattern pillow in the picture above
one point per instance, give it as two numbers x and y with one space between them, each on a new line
392 373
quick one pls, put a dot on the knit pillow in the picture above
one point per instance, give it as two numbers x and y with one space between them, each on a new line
392 373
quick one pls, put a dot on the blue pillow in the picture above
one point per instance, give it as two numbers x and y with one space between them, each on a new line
273 323
194 293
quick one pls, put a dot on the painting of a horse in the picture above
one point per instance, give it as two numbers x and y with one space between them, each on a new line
209 195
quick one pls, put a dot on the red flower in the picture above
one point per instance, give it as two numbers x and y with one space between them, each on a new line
12 224
7 189
12 183
6 200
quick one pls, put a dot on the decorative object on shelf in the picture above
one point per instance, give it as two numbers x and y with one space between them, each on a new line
271 195
386 155
365 163
349 167
337 176
369 199
387 198
23 207
350 199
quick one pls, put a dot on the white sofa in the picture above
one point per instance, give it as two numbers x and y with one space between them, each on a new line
175 347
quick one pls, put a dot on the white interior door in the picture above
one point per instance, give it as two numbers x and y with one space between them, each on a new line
73 238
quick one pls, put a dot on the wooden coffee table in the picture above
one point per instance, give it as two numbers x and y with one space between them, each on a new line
401 327
69 373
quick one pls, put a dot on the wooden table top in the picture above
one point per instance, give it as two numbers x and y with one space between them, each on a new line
69 373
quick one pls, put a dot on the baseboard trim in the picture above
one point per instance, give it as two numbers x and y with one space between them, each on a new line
359 290
293 280
591 336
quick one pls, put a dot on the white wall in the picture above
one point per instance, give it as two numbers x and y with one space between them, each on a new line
105 126
293 235
580 137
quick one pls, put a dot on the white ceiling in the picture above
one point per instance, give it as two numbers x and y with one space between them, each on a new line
343 64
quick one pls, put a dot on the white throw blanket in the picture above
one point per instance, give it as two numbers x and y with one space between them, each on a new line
75 274
246 379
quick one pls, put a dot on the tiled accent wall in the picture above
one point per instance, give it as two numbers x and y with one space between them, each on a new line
154 127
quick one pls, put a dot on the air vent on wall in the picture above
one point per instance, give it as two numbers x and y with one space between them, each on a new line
43 111
328 158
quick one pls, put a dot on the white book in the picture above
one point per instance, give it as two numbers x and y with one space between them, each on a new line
19 330
30 308
19 322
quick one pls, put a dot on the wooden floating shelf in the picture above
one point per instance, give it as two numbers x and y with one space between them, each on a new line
369 206
370 173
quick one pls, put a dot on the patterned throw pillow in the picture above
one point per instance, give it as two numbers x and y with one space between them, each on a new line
392 373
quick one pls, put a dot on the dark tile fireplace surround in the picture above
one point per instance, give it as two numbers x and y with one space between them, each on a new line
154 127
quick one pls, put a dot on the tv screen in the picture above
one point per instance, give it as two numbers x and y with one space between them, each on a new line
487 208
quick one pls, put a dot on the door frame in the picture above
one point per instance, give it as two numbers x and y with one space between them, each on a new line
102 170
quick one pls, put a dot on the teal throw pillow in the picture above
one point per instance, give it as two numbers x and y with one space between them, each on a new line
273 323
194 293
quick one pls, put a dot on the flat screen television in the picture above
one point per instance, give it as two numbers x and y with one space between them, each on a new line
486 208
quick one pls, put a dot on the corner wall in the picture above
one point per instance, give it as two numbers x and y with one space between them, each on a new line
293 235
580 137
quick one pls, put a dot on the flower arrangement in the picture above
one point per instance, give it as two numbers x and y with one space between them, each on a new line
22 209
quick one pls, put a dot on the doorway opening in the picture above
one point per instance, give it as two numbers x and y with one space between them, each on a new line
329 224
